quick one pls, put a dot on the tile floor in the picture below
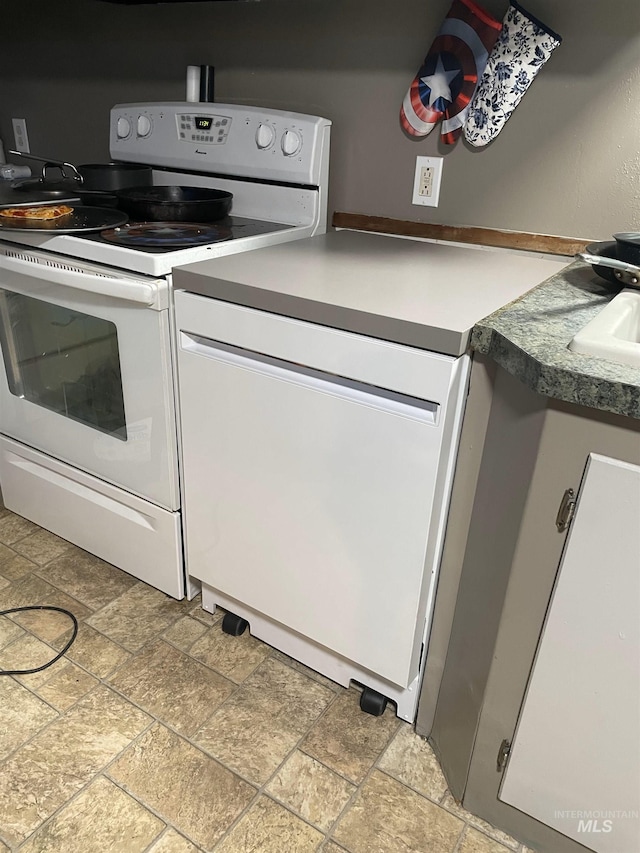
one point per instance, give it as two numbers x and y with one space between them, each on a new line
158 732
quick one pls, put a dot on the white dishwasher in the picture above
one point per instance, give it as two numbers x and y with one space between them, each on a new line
316 468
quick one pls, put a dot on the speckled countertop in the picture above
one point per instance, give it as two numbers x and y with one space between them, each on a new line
529 338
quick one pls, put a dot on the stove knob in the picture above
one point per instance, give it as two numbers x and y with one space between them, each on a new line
123 128
264 136
291 143
144 126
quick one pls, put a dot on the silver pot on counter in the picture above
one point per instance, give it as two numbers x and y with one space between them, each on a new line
618 261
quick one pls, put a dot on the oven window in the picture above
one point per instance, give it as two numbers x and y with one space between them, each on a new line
63 360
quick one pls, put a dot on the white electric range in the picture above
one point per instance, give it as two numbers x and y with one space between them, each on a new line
88 425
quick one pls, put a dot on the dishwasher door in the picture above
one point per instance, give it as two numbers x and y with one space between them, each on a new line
309 497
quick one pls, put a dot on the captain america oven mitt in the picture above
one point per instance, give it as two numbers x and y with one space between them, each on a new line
523 47
447 79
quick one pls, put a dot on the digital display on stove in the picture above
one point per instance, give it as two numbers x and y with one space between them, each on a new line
203 123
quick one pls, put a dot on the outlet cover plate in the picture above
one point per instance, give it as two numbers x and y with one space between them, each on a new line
20 135
427 180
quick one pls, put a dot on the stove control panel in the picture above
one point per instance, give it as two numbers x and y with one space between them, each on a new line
228 139
193 127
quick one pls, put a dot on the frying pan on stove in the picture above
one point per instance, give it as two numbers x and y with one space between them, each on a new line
174 204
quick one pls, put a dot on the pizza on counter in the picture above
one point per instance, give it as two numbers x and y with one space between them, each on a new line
49 211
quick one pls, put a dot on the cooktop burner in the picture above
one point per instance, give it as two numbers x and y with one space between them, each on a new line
166 234
159 237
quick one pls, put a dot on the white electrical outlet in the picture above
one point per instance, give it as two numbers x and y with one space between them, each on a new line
20 134
426 182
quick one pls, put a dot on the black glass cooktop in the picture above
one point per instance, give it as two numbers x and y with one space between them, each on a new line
161 237
165 235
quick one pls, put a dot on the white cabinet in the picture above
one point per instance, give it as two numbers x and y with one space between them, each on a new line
574 763
535 662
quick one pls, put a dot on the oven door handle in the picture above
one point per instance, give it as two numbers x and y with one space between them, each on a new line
55 272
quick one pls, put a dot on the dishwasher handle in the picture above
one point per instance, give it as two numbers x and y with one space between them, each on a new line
342 387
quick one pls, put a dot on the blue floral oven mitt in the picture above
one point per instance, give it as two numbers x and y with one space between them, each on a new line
522 48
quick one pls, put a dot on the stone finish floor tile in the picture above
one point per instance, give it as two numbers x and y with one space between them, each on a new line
93 651
172 842
259 725
269 828
274 681
186 787
45 773
22 715
387 816
28 652
250 737
48 625
67 686
25 591
9 632
450 804
12 565
476 842
234 657
410 760
13 528
138 615
349 741
100 818
183 633
311 790
172 686
42 546
87 578
4 582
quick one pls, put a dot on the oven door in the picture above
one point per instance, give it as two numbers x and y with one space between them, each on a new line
86 370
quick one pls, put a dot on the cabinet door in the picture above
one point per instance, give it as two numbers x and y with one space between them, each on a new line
575 758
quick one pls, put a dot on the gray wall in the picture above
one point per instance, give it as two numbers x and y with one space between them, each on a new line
567 162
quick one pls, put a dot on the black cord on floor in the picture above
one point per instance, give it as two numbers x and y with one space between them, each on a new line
59 655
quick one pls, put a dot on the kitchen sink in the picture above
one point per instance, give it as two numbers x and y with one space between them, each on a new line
614 333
